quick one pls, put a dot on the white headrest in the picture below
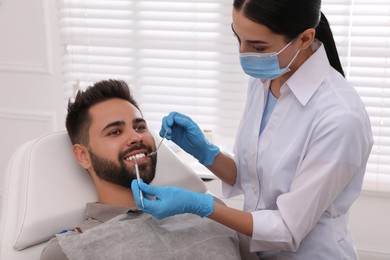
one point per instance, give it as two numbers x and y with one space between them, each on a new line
46 190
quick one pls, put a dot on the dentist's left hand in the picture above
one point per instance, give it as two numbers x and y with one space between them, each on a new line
172 201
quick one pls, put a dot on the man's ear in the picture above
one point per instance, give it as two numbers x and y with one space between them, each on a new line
81 155
307 38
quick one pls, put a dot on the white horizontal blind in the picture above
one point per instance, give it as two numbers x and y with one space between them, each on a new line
176 56
181 55
362 33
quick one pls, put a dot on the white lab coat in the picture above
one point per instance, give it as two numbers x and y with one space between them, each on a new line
302 174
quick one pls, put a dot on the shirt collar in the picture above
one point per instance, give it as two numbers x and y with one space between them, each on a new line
104 212
312 73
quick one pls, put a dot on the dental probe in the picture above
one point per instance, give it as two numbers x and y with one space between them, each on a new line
139 180
162 139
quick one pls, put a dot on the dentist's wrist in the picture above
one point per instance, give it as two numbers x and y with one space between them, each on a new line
204 206
209 154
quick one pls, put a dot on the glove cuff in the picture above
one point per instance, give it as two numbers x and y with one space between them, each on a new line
209 154
205 206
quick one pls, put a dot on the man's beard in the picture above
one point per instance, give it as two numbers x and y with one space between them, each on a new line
121 174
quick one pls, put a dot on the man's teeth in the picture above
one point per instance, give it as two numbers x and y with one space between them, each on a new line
136 156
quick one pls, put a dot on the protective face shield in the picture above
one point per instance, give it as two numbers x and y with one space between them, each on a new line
264 65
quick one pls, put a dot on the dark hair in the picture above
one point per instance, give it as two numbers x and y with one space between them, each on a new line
78 119
290 18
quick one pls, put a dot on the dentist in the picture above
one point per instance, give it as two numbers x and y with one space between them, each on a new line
301 147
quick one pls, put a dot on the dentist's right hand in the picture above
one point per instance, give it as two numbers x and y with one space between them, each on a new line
187 134
171 201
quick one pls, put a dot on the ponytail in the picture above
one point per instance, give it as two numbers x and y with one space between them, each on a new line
324 34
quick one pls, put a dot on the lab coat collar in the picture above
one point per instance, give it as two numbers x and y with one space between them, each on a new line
308 78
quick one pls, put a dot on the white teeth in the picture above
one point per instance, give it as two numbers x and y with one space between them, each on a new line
135 157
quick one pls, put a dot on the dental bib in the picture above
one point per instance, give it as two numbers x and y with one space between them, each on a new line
144 237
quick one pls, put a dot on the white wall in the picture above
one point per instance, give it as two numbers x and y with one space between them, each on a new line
31 100
370 225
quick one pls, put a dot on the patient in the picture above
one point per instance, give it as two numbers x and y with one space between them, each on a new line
108 133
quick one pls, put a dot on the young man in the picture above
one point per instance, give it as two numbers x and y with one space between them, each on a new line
109 133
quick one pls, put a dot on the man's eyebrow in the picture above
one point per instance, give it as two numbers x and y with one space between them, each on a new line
139 120
121 123
250 41
112 124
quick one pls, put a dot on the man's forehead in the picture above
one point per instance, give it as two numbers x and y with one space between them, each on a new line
114 110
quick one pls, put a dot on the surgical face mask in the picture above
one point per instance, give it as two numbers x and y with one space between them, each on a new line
264 65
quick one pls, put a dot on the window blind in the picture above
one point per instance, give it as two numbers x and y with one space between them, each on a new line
362 33
181 56
176 56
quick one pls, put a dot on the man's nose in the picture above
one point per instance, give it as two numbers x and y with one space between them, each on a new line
133 137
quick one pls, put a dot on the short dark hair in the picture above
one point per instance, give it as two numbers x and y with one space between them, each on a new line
78 119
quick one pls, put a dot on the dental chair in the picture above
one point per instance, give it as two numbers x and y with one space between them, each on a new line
45 192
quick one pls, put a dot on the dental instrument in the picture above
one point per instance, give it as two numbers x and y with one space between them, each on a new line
138 180
162 139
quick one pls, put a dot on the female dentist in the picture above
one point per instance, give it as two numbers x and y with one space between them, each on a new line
302 144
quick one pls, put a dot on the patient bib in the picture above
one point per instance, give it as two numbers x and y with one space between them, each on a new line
144 237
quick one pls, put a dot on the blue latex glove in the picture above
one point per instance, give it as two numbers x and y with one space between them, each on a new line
187 134
172 201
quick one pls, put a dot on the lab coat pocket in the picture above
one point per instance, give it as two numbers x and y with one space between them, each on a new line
344 238
340 227
347 249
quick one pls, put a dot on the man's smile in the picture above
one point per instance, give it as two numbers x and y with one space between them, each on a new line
140 157
135 156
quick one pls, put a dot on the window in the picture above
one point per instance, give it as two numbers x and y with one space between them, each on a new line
181 56
176 56
362 33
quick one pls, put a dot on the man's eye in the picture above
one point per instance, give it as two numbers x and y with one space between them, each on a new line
140 128
114 133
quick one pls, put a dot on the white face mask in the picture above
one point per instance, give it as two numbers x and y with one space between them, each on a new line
264 65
